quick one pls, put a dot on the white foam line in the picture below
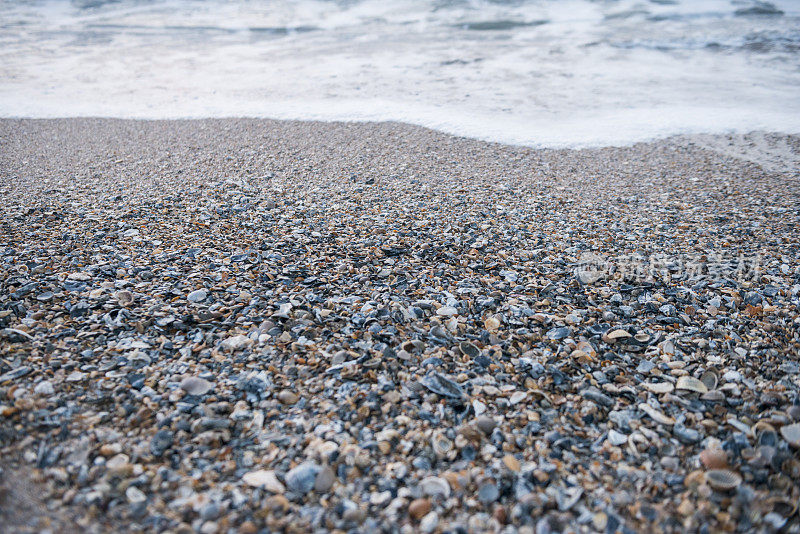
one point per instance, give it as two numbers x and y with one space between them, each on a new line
578 130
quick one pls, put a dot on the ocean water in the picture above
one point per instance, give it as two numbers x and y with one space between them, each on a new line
533 72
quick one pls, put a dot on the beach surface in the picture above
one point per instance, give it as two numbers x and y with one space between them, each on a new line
241 325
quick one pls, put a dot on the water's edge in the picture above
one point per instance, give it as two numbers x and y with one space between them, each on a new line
773 151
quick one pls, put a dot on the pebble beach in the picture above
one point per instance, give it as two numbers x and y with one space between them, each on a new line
242 326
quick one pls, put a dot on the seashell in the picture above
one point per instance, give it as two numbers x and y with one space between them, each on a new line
413 345
585 346
567 498
558 333
713 396
468 349
124 297
442 385
265 479
791 467
116 374
766 453
441 445
492 324
748 454
542 318
655 415
138 359
690 383
723 479
372 363
614 335
471 433
517 397
641 337
783 506
780 484
415 387
710 378
580 356
765 434
791 433
659 387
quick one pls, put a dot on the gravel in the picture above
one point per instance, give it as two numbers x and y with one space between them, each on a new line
252 325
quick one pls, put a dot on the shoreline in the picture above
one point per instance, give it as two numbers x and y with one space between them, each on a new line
778 149
245 323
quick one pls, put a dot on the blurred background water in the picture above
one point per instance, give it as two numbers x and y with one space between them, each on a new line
535 72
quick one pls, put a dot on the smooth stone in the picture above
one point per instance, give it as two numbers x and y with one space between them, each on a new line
16 373
485 424
558 333
511 463
791 433
517 397
161 441
595 395
302 478
325 479
419 508
235 343
194 385
45 387
74 376
488 493
589 276
199 295
446 311
617 438
435 486
287 397
134 495
686 435
118 463
645 366
714 458
429 523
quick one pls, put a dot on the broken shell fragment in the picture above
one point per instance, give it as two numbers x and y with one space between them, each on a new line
659 387
690 383
710 379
